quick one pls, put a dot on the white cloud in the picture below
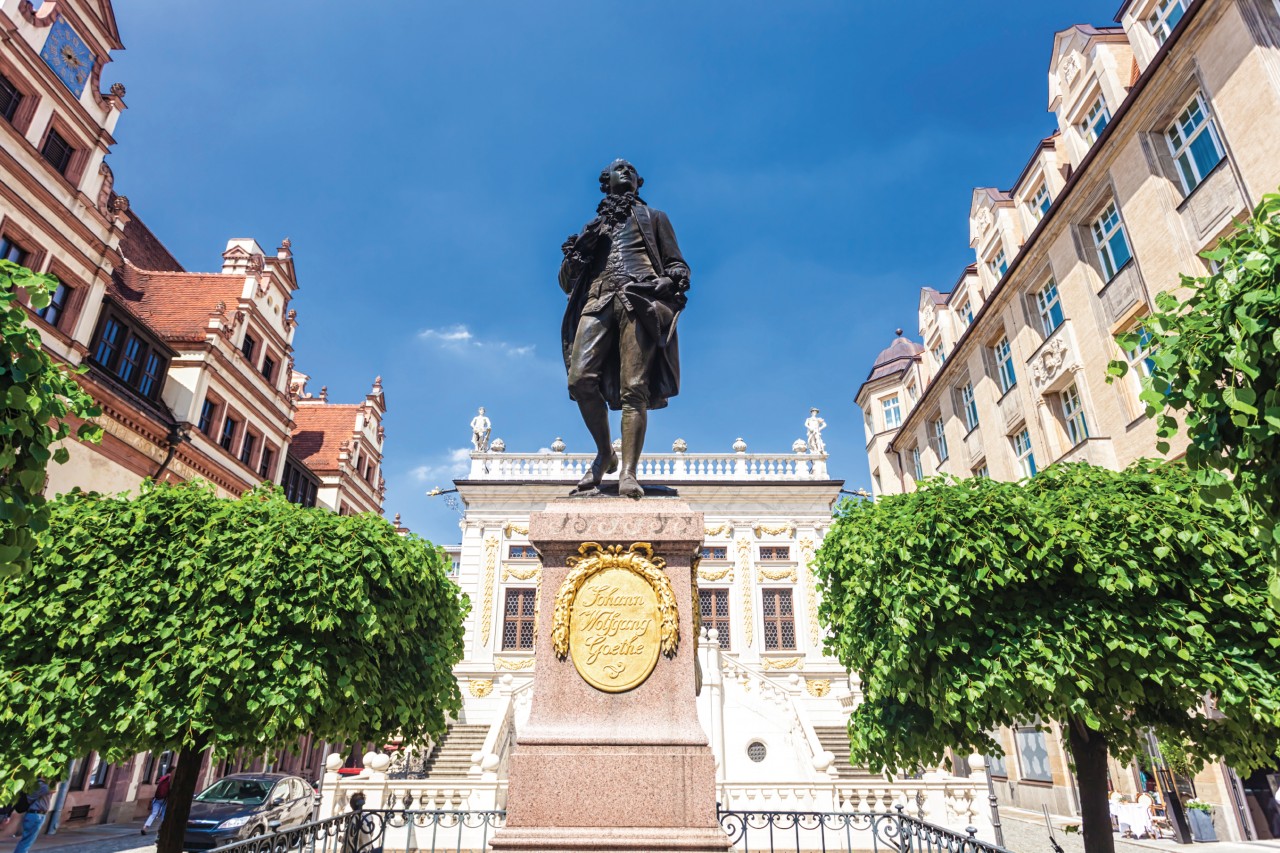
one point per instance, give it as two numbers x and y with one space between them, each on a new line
444 468
458 338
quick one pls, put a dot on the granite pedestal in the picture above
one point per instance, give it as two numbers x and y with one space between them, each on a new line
630 771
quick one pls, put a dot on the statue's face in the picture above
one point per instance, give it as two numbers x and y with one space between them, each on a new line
623 178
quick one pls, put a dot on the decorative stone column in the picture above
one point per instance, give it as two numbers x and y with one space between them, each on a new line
613 756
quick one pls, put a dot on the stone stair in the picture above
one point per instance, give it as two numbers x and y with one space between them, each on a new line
451 758
835 740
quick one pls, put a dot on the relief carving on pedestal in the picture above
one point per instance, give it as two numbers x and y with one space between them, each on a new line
614 613
1048 363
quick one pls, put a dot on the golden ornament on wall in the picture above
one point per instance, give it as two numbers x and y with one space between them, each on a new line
787 573
782 663
818 686
480 687
512 527
718 530
513 664
774 530
521 573
490 569
614 613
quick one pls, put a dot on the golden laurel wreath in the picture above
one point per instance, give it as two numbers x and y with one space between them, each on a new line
594 557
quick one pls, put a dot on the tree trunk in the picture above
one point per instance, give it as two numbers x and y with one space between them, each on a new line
1089 750
181 789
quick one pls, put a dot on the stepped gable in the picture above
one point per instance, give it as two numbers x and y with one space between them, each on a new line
320 430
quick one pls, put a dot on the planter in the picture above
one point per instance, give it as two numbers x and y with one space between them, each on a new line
1201 825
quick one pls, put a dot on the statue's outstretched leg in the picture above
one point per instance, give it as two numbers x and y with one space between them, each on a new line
595 414
634 422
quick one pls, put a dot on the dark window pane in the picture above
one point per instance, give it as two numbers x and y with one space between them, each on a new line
206 416
11 251
108 343
228 433
264 470
268 368
246 448
52 312
57 151
247 347
130 359
10 97
151 372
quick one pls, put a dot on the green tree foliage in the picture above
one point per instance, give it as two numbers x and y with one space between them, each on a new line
1217 358
180 620
36 396
1107 601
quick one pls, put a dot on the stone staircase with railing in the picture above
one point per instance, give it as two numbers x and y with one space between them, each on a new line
451 757
835 740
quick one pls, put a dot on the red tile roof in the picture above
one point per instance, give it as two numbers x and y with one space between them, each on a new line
143 249
176 305
319 431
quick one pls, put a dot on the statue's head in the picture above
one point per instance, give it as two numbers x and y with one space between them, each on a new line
813 411
482 410
620 177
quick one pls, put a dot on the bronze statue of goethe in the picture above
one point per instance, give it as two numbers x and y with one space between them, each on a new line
626 283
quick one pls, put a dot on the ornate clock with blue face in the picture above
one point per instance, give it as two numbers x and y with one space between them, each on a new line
68 56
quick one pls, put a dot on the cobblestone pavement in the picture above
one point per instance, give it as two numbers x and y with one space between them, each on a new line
99 838
1026 834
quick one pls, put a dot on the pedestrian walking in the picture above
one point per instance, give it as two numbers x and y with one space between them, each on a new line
159 800
33 806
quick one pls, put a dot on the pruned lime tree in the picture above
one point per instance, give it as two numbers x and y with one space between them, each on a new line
1107 601
36 397
1215 356
177 620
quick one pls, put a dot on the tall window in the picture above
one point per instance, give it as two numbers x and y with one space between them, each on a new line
1095 121
11 251
1140 356
714 606
246 447
917 464
1004 365
299 486
1040 201
1033 756
1194 142
912 393
966 312
940 439
1022 450
264 468
982 472
247 347
1073 414
999 265
207 408
10 98
892 412
970 406
108 342
152 372
228 432
939 354
779 620
518 618
1110 240
1165 17
268 368
57 151
131 357
1050 307
53 312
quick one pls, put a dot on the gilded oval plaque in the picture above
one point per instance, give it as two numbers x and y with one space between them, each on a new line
615 631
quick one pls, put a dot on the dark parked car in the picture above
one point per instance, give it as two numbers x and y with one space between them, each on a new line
244 805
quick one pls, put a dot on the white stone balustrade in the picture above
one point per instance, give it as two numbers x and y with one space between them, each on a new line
654 467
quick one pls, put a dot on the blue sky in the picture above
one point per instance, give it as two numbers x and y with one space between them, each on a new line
816 158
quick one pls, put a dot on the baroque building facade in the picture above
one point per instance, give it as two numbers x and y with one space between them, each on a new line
1166 133
193 371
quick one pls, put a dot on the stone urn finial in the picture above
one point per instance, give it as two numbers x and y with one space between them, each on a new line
498 446
739 446
679 446
799 446
557 446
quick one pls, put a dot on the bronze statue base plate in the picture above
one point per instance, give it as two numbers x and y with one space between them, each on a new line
610 490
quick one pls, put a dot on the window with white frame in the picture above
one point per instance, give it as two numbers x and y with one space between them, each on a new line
1193 140
1022 452
1139 357
999 265
1095 120
913 393
917 464
940 439
939 354
1164 17
970 406
1111 241
1040 201
1050 307
982 472
892 412
966 312
1033 755
1004 365
1073 414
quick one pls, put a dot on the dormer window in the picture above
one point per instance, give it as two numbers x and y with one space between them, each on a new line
966 312
999 266
1040 202
1095 120
131 357
1165 17
247 347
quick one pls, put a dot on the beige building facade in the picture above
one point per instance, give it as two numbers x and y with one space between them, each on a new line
1168 129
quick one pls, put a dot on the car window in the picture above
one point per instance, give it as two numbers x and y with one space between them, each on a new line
281 791
299 788
248 791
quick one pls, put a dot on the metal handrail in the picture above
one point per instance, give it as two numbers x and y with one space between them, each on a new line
892 832
365 831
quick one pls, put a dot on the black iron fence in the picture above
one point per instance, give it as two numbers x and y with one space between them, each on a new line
372 830
890 832
369 831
